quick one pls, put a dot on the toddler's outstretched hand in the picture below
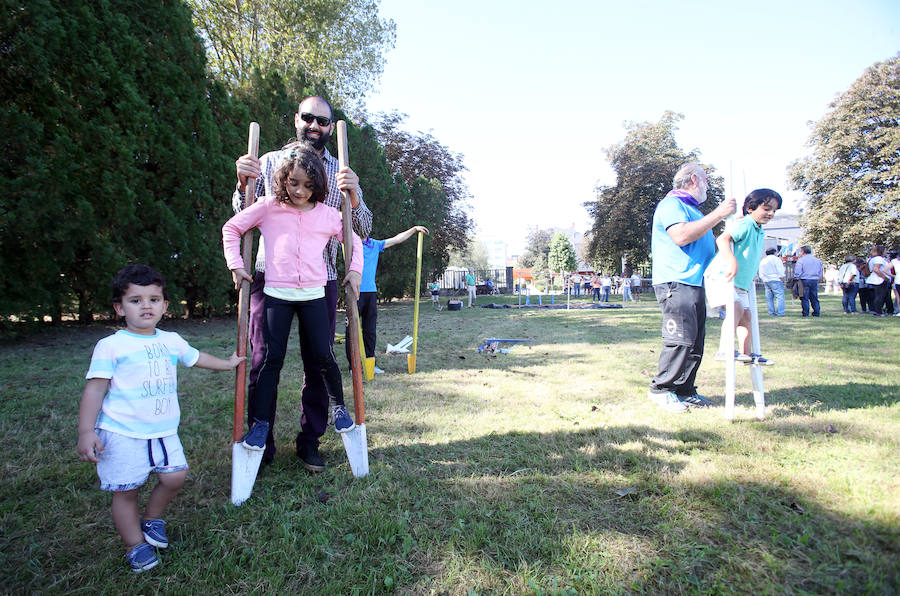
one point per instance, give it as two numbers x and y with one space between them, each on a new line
89 446
234 360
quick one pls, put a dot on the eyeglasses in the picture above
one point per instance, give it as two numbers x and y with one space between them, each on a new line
320 120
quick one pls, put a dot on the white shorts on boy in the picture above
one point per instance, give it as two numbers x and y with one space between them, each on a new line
717 290
126 463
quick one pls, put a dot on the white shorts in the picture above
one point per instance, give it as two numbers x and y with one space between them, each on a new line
126 462
717 290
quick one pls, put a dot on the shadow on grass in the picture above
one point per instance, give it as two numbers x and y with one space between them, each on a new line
536 506
809 399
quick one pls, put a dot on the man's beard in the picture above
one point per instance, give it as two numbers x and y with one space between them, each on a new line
318 143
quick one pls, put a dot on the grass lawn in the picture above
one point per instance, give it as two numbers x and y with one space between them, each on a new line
542 471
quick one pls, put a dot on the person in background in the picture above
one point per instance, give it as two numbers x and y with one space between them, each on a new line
636 285
576 284
848 278
771 272
879 280
808 269
895 266
865 291
368 291
470 287
606 283
626 289
831 279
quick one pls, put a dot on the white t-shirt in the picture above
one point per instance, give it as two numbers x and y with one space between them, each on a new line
142 401
896 264
771 268
874 279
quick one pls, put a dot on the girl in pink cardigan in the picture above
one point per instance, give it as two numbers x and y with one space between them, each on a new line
296 226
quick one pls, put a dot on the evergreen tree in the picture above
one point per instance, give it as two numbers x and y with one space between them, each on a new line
112 151
561 257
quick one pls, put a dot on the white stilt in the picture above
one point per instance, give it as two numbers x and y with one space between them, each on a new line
759 394
728 343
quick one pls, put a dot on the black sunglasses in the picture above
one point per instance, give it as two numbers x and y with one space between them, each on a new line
320 120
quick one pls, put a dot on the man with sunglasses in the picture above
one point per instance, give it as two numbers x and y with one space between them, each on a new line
315 123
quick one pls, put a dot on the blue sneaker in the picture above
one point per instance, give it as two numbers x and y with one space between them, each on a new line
155 532
758 359
668 401
696 400
142 557
255 439
342 420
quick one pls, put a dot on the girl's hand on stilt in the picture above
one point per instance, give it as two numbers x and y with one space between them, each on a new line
89 446
238 276
353 279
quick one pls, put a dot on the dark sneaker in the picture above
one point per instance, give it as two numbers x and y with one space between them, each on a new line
309 455
255 439
696 401
142 557
342 420
758 359
155 532
668 401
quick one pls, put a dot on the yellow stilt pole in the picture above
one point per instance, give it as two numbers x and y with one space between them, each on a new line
411 358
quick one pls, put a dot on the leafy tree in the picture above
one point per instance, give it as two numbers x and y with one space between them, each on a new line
562 254
112 152
433 175
537 249
645 163
475 256
342 42
852 177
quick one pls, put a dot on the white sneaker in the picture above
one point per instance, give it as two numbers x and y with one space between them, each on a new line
378 371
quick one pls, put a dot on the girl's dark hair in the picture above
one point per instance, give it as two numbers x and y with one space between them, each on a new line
307 159
758 197
850 259
139 275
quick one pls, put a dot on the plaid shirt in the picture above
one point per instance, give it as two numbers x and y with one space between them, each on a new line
360 215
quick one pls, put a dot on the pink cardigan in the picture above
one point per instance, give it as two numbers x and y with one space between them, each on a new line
295 241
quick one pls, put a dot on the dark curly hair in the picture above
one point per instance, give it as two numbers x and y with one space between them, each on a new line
306 158
758 197
139 275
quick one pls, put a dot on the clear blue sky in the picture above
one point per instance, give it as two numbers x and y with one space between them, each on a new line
533 93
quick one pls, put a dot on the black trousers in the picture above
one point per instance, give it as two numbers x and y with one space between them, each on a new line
683 332
880 294
368 320
315 347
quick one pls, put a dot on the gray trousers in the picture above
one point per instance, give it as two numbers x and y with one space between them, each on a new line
683 332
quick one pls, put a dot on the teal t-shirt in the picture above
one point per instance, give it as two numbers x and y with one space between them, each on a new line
470 279
748 239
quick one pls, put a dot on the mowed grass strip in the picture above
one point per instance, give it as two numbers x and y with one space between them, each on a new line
542 471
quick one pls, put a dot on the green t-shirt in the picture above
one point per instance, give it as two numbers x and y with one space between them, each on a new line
470 279
748 239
